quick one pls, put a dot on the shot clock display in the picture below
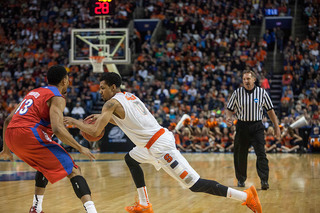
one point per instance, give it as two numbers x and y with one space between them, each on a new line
102 7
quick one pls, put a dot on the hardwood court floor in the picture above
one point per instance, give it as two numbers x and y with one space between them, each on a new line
294 186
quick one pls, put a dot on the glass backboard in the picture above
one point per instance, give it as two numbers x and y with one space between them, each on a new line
113 43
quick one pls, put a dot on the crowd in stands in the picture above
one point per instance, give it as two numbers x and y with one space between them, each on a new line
196 67
301 78
193 70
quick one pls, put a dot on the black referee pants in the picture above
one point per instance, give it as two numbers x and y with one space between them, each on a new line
247 134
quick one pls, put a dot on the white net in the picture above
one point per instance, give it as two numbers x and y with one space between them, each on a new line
97 63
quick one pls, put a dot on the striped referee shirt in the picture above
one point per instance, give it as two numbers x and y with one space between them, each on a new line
249 104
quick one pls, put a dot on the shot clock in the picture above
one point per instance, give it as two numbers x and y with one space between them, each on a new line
102 7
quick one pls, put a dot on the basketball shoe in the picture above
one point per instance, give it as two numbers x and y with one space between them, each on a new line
253 201
33 210
138 208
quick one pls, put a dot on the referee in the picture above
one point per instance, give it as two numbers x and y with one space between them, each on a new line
248 102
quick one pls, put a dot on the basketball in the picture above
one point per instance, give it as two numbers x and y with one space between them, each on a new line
88 137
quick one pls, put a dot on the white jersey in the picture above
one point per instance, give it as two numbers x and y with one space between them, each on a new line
138 124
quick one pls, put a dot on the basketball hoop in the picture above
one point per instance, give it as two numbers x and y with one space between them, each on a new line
97 63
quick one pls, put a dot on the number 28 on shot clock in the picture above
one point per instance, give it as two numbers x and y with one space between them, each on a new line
102 7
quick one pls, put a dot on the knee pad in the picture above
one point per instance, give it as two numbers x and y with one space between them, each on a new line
41 180
80 186
210 187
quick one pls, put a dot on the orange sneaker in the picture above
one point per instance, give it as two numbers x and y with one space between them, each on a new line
138 208
253 201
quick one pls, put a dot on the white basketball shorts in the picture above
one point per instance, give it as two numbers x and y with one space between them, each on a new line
163 154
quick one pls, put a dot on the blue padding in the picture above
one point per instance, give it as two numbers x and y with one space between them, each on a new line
54 90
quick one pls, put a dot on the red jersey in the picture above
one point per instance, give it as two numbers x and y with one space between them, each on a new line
29 136
34 110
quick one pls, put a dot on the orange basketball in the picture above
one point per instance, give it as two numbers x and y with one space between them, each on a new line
90 137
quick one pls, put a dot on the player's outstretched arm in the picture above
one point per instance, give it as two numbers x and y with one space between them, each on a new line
57 105
102 120
95 117
92 117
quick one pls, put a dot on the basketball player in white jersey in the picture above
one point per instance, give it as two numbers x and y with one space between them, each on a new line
154 145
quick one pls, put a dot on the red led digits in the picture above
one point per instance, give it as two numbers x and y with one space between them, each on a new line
102 7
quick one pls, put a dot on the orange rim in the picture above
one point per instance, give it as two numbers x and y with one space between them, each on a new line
97 58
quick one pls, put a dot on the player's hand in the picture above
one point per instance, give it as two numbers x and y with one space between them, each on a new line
92 117
229 121
6 155
85 151
68 120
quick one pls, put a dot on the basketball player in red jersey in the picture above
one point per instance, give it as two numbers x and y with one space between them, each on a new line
154 145
28 131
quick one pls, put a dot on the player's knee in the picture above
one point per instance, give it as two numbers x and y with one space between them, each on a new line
80 186
130 161
197 186
41 180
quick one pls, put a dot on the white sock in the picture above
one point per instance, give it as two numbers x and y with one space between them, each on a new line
143 196
236 194
89 207
37 202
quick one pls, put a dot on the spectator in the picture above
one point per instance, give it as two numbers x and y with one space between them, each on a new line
163 93
292 142
271 145
148 36
66 111
287 78
285 104
279 37
78 111
314 140
265 83
143 72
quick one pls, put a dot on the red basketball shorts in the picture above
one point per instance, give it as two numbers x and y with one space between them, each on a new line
33 146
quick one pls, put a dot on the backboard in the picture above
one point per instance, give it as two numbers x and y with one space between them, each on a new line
113 43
